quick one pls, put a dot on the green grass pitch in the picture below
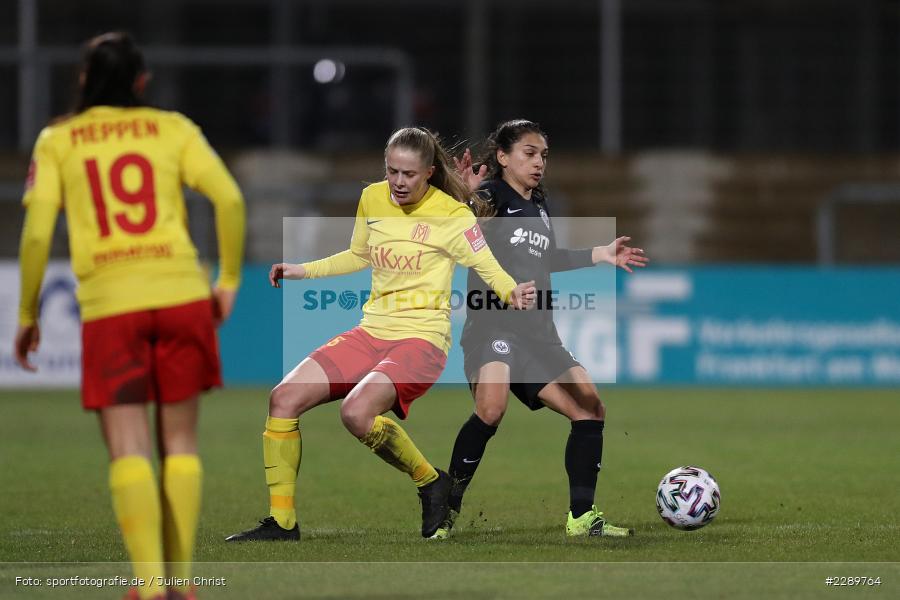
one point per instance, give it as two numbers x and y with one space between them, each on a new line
810 483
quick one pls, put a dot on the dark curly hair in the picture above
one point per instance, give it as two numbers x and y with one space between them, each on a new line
504 138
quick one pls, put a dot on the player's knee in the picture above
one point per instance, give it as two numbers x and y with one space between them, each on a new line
355 418
590 407
491 415
286 399
596 408
179 442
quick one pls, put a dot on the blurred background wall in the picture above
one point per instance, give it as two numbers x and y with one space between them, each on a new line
747 131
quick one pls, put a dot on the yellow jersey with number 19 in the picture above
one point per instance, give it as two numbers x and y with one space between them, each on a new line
118 174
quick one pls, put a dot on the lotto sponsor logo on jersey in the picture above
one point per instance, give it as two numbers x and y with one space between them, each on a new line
537 241
384 257
475 238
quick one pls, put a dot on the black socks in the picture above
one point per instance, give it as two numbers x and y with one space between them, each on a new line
584 453
467 452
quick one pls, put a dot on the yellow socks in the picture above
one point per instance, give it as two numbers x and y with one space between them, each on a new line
281 456
181 484
135 500
388 440
282 451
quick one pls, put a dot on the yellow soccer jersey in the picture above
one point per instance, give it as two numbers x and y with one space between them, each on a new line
412 251
118 174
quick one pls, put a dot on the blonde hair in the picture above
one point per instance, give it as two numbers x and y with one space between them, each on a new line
428 146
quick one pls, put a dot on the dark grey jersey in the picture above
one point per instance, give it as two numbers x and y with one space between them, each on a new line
522 239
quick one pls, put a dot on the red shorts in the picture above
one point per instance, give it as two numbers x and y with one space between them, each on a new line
412 364
158 355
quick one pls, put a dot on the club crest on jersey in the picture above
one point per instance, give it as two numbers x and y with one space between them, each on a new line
500 346
420 232
475 238
545 218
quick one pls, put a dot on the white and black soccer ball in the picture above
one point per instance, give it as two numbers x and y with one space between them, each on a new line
688 498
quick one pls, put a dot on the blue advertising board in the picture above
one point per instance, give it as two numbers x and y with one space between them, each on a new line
761 326
723 325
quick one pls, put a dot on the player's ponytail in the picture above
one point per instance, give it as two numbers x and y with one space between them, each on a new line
445 178
111 64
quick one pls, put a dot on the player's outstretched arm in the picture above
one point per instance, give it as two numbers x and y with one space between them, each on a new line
355 258
618 254
281 271
341 263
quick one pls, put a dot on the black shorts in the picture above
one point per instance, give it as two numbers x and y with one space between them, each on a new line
532 364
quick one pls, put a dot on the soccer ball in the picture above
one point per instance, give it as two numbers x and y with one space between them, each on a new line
688 498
